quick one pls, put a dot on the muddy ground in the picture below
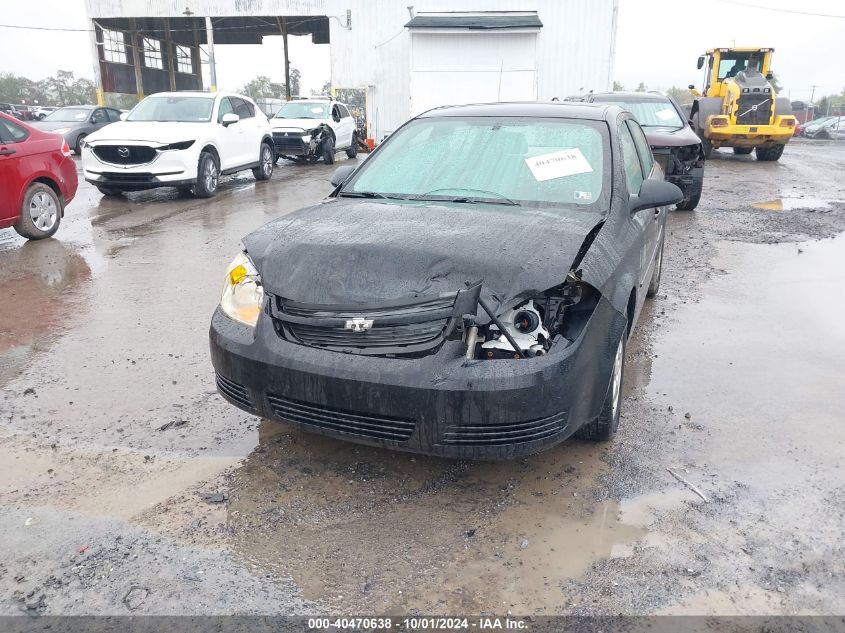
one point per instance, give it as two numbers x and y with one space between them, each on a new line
127 486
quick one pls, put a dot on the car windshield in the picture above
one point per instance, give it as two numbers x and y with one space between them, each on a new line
648 112
303 110
182 109
69 115
502 160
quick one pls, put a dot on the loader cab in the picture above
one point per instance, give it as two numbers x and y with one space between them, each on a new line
721 64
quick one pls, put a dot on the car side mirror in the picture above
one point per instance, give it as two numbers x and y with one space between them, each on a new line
655 193
342 174
691 86
229 118
770 75
701 62
123 116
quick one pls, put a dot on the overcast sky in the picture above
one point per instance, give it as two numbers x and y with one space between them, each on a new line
658 42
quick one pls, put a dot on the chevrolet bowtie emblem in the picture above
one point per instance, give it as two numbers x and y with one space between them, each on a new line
359 324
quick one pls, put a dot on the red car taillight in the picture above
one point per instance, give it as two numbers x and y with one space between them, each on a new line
65 149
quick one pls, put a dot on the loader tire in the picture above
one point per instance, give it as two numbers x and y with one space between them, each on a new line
769 153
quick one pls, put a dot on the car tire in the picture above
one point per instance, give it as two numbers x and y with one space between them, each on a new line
328 151
109 192
654 284
208 176
689 205
41 212
352 152
266 160
604 427
706 147
743 151
77 147
769 153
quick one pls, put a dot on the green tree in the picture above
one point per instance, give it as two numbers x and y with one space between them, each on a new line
617 86
681 95
641 87
295 76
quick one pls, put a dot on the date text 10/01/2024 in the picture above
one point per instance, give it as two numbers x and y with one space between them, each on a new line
421 623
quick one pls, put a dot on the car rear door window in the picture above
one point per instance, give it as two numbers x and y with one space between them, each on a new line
12 132
633 167
643 148
242 108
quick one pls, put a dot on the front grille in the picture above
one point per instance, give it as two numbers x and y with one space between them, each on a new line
290 143
125 154
395 328
236 392
501 434
754 108
369 425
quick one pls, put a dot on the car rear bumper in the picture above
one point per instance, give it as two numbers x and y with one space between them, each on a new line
437 404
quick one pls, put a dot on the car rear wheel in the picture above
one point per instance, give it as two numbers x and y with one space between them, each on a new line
352 152
328 151
109 192
769 153
266 161
208 176
604 427
689 205
742 151
41 212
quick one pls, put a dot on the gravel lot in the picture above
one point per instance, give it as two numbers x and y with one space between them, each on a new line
127 486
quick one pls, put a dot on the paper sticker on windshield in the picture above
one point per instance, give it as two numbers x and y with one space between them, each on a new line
317 110
567 162
665 115
583 195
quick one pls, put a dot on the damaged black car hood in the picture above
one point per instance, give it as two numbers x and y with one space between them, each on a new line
350 251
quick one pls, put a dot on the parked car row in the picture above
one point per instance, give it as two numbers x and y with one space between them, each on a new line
26 112
828 127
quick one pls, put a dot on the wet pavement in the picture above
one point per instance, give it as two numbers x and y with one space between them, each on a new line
114 441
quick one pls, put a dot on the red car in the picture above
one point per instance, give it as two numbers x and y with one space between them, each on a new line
37 179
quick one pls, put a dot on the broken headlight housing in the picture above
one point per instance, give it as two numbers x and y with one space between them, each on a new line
243 294
555 317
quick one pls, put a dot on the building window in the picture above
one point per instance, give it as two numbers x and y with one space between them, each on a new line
114 47
184 63
152 53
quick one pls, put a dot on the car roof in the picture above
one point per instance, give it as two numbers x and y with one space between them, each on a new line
538 109
630 94
84 107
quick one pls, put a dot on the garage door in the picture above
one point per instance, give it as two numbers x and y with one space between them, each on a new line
472 67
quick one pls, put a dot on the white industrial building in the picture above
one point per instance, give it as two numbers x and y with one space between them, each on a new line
393 59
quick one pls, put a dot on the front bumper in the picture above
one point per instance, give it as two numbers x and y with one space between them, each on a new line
174 168
437 404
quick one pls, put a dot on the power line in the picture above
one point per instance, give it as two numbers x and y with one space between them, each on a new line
777 10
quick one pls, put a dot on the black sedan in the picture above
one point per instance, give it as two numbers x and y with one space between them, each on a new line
467 291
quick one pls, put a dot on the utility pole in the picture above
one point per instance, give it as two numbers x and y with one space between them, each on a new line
209 35
283 29
813 93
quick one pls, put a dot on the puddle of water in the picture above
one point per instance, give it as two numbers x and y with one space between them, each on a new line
790 204
760 359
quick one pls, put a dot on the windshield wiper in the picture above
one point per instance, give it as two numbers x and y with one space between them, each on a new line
370 194
499 199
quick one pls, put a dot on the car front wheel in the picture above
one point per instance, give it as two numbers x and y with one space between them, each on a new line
41 213
604 427
328 151
208 176
266 160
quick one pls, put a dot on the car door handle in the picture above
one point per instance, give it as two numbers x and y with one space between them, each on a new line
7 152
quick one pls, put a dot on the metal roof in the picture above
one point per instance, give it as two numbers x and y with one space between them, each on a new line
475 21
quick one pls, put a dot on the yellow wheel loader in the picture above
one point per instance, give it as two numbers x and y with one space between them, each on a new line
738 106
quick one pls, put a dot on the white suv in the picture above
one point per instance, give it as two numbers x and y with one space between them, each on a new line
308 129
180 139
